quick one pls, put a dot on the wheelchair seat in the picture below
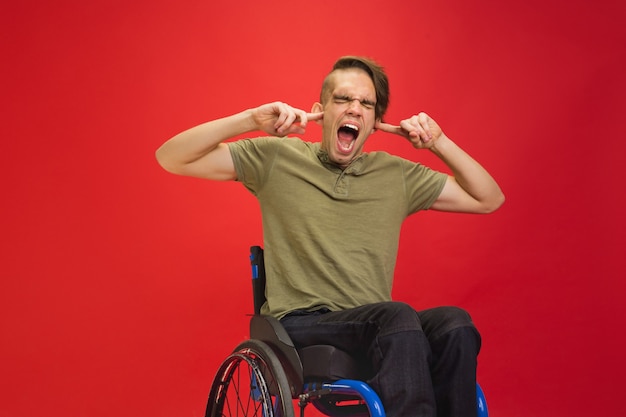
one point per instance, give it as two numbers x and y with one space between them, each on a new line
265 374
336 364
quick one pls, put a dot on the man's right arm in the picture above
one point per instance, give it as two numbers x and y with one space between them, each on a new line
200 151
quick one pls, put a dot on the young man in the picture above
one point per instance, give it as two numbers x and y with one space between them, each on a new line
331 218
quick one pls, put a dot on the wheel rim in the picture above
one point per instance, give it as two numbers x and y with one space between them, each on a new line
246 385
239 390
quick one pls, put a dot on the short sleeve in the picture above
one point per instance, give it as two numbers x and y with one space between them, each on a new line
423 185
251 158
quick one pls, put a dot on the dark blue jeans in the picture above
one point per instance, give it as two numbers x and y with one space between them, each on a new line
423 363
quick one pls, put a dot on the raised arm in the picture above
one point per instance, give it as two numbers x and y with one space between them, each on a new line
470 189
200 151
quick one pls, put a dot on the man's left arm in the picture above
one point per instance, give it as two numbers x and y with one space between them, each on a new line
470 188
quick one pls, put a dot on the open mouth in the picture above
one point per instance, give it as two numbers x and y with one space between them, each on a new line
347 135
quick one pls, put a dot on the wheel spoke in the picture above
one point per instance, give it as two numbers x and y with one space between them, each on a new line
250 383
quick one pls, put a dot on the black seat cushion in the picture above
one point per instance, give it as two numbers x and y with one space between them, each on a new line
327 363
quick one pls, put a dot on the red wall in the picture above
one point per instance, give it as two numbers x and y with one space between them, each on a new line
123 286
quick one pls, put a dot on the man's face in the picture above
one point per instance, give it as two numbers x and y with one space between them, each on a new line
349 115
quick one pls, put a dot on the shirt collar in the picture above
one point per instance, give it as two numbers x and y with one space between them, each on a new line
355 167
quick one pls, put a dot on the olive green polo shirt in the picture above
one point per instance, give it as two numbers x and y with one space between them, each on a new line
330 235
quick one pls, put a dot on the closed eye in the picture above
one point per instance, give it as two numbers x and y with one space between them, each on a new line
346 99
368 104
341 99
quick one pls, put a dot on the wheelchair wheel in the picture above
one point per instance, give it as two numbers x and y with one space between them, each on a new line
250 382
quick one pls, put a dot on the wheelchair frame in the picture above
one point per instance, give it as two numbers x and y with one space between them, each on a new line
264 375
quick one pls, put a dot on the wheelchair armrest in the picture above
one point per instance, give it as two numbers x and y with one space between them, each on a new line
269 330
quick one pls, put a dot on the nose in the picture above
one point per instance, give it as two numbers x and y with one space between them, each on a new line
354 107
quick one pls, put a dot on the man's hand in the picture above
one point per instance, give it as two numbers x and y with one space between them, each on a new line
421 130
280 119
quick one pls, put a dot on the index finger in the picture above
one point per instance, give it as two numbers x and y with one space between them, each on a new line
315 116
386 127
305 117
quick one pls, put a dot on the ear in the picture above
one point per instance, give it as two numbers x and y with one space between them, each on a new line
376 124
317 107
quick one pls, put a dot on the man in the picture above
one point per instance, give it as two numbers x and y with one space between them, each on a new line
332 216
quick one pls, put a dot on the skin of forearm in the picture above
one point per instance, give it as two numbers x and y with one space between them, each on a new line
469 174
196 142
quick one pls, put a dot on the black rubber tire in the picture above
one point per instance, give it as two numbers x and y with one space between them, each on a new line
250 382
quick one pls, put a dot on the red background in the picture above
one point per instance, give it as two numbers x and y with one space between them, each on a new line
124 286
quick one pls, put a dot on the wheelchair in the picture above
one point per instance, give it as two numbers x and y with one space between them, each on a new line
267 376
